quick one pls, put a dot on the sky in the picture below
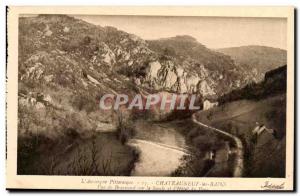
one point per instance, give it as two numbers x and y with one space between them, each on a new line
214 32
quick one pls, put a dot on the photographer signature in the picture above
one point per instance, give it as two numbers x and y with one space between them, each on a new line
270 186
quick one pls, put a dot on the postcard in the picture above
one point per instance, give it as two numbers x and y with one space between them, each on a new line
150 98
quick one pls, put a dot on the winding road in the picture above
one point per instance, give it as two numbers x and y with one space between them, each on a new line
239 159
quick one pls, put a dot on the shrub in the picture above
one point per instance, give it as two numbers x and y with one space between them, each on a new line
84 102
204 143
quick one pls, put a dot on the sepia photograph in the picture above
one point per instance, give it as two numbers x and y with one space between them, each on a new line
133 100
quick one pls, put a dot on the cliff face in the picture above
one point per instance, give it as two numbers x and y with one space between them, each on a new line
169 76
191 67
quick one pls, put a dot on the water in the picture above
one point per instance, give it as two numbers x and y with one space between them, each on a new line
161 149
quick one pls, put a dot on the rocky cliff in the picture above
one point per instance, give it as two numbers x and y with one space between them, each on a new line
185 65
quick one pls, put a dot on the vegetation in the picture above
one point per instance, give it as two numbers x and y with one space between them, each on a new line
125 129
187 46
273 84
72 155
200 142
58 142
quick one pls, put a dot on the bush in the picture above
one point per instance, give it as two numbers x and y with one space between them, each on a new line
204 143
84 102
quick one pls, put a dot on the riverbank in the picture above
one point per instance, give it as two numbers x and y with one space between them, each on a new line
146 148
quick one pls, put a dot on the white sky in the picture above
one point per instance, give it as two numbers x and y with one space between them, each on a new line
214 32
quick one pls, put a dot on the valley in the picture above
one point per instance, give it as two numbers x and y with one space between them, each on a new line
66 65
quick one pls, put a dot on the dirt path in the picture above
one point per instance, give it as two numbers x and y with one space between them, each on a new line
239 159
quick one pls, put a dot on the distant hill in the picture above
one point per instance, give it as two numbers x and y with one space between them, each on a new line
257 59
184 46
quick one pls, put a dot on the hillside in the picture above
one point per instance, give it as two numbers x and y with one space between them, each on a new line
256 59
65 66
267 157
68 64
188 47
240 111
273 83
217 70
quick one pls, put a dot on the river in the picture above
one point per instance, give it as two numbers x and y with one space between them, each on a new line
161 147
